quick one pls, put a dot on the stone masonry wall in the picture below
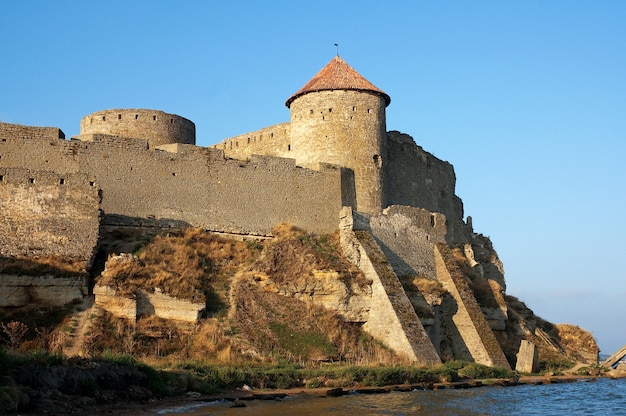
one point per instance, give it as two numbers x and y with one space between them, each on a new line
195 185
46 213
269 141
468 318
20 131
157 127
407 235
416 178
345 128
392 319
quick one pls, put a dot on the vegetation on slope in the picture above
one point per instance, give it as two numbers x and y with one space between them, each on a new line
188 264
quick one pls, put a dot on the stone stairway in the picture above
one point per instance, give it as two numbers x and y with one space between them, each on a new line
80 324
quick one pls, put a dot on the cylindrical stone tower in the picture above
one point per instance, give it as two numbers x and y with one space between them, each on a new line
156 127
339 117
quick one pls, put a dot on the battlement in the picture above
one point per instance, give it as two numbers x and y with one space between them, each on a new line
157 127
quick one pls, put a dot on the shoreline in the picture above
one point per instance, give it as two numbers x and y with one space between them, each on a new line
239 397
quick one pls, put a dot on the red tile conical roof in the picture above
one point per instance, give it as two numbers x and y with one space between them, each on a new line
338 75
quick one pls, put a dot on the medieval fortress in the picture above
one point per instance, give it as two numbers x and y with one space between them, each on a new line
333 166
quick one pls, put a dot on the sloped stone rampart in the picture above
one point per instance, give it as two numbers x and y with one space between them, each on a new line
392 319
468 318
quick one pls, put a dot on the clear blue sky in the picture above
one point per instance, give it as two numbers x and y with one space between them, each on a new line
526 99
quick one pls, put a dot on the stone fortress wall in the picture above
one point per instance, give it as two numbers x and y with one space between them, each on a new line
185 183
142 166
47 213
156 127
273 140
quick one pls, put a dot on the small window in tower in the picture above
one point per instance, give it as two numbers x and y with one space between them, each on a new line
378 161
330 110
61 181
91 120
92 183
236 144
1 178
136 116
368 110
248 140
272 135
432 220
174 174
310 111
119 116
104 118
154 118
31 180
289 147
354 108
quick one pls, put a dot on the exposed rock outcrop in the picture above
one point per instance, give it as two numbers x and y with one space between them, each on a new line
19 290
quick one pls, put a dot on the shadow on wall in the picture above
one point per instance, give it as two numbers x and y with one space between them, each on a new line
452 345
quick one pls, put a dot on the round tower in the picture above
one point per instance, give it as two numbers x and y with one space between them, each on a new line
338 117
156 127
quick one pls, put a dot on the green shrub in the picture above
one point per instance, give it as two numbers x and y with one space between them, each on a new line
479 371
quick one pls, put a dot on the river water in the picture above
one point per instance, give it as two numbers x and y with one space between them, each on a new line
598 397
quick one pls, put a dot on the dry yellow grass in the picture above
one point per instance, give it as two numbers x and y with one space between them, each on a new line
186 265
51 265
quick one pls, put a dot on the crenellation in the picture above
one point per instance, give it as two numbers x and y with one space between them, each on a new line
157 127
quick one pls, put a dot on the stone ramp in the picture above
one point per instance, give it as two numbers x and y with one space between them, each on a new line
392 318
469 318
615 358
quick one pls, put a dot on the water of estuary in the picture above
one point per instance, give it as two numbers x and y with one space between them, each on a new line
584 397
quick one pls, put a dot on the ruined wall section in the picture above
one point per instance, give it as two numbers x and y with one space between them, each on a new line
269 141
48 214
191 184
407 236
416 178
156 127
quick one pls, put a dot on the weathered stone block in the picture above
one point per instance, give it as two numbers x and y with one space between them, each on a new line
527 358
